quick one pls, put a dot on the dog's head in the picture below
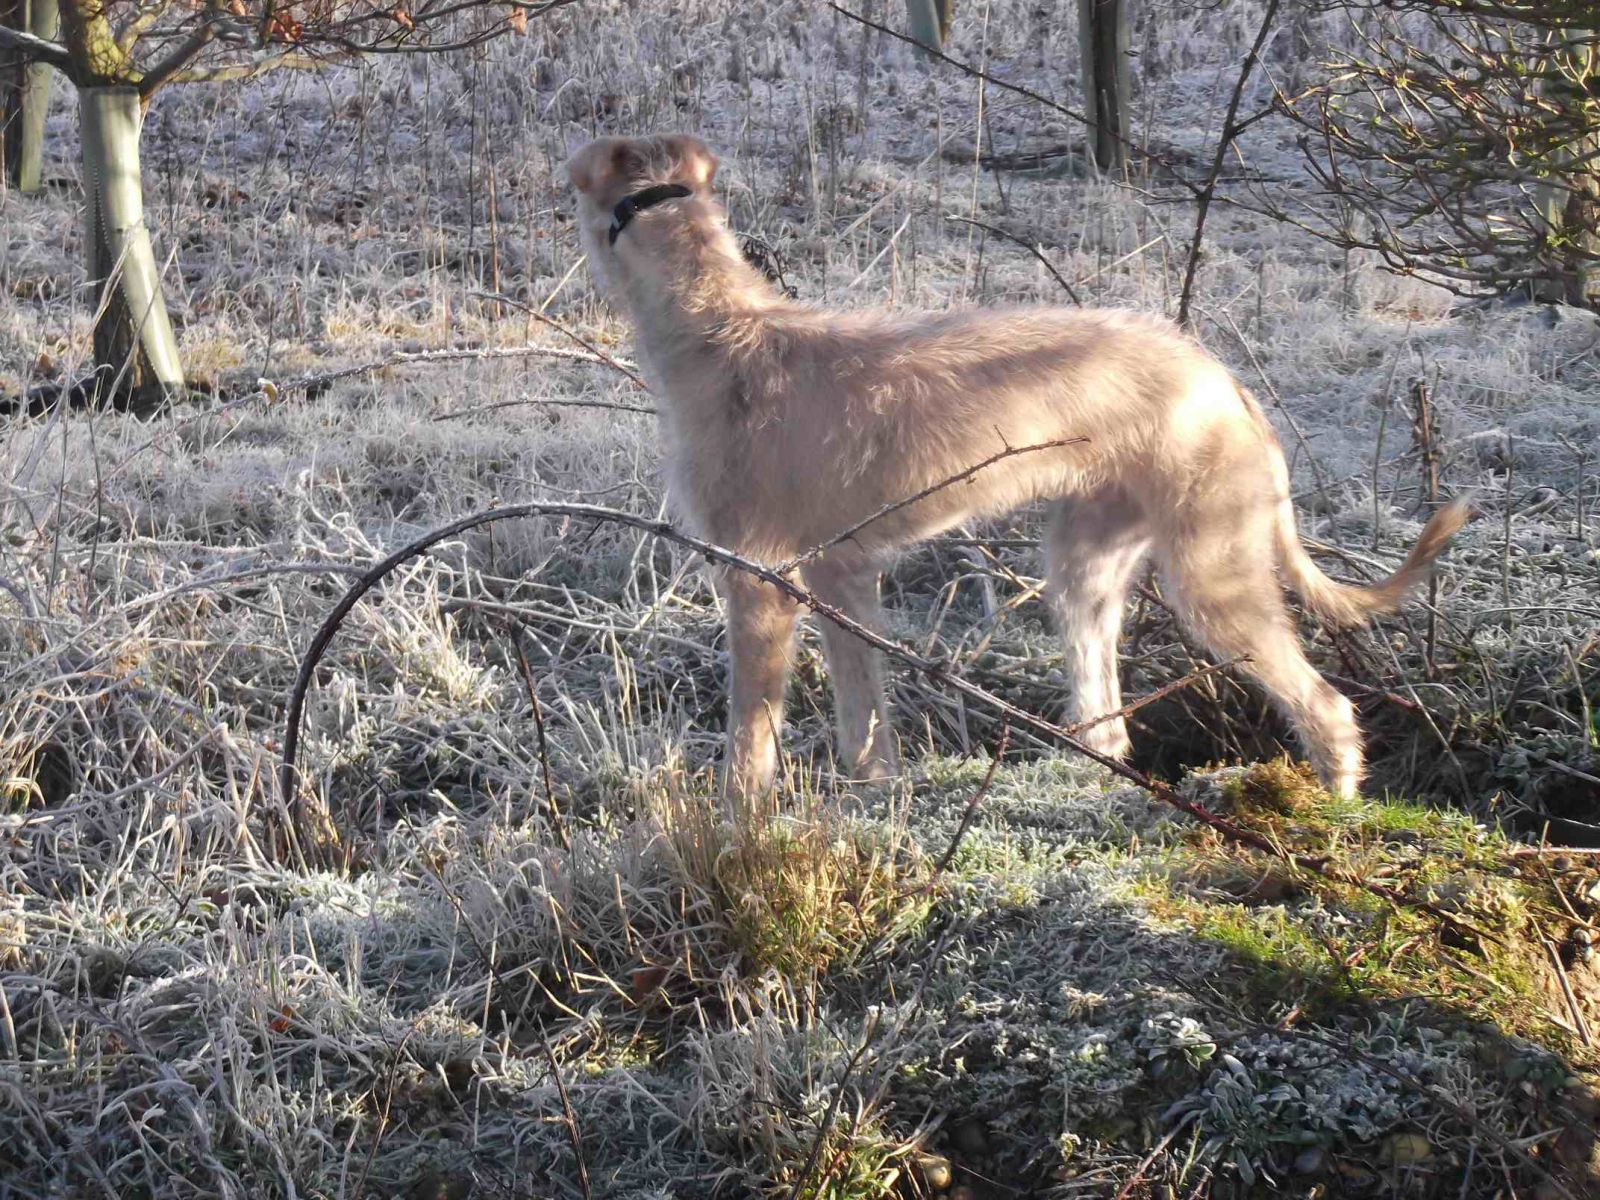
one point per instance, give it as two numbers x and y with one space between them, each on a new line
609 168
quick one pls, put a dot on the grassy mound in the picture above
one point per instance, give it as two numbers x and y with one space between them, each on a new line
1094 995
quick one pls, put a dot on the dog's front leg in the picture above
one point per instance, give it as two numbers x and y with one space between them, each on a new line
761 623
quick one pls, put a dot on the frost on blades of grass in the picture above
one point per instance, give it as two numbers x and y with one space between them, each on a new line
1094 995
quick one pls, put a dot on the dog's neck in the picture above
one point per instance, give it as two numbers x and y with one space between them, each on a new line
686 282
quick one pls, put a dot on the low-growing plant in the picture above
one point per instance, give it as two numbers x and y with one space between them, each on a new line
798 892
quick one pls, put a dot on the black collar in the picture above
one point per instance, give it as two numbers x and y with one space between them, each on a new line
631 205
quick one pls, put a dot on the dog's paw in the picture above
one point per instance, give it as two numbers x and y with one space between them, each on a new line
1110 739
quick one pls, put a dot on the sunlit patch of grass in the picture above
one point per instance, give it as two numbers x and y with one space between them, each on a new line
1315 942
800 892
858 1160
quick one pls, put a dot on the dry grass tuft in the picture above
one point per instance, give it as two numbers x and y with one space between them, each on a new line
1280 786
800 892
797 1109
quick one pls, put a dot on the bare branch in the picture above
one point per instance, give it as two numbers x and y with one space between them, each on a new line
36 49
1466 145
136 28
220 41
1230 130
845 535
188 50
259 65
1032 248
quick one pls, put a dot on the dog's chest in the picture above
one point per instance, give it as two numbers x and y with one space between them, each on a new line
725 481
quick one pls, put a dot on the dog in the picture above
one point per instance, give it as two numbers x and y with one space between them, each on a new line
785 425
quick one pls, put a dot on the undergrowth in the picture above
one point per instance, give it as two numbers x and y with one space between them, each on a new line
841 995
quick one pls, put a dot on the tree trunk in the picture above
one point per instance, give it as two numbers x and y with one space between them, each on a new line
26 96
1569 213
1572 212
1581 223
1103 48
930 21
135 352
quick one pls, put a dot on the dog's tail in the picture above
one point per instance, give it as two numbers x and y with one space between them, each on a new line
1343 603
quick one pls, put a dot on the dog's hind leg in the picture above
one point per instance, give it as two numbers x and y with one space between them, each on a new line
866 744
761 623
1093 546
1225 585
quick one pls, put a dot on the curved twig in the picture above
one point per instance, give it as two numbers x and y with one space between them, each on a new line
566 331
547 402
451 354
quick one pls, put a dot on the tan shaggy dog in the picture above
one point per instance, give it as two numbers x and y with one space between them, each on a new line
785 425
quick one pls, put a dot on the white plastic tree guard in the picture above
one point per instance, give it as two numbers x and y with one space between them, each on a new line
135 350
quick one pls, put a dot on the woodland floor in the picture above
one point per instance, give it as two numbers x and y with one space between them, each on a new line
1093 997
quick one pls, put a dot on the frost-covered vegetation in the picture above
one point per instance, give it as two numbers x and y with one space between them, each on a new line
1093 996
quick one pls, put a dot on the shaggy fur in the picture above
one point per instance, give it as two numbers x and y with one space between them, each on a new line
785 425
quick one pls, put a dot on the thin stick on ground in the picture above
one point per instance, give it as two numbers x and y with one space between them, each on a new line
1573 1007
1126 1190
971 811
1423 434
1509 509
360 1190
569 1115
937 670
1161 693
810 1168
313 383
1553 849
544 745
547 402
968 815
271 391
566 331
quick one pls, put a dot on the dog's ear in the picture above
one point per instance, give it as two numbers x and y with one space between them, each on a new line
696 164
599 166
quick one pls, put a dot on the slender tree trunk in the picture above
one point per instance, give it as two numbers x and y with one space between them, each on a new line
1583 218
26 95
1572 215
1569 214
135 352
930 21
1569 207
1103 49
